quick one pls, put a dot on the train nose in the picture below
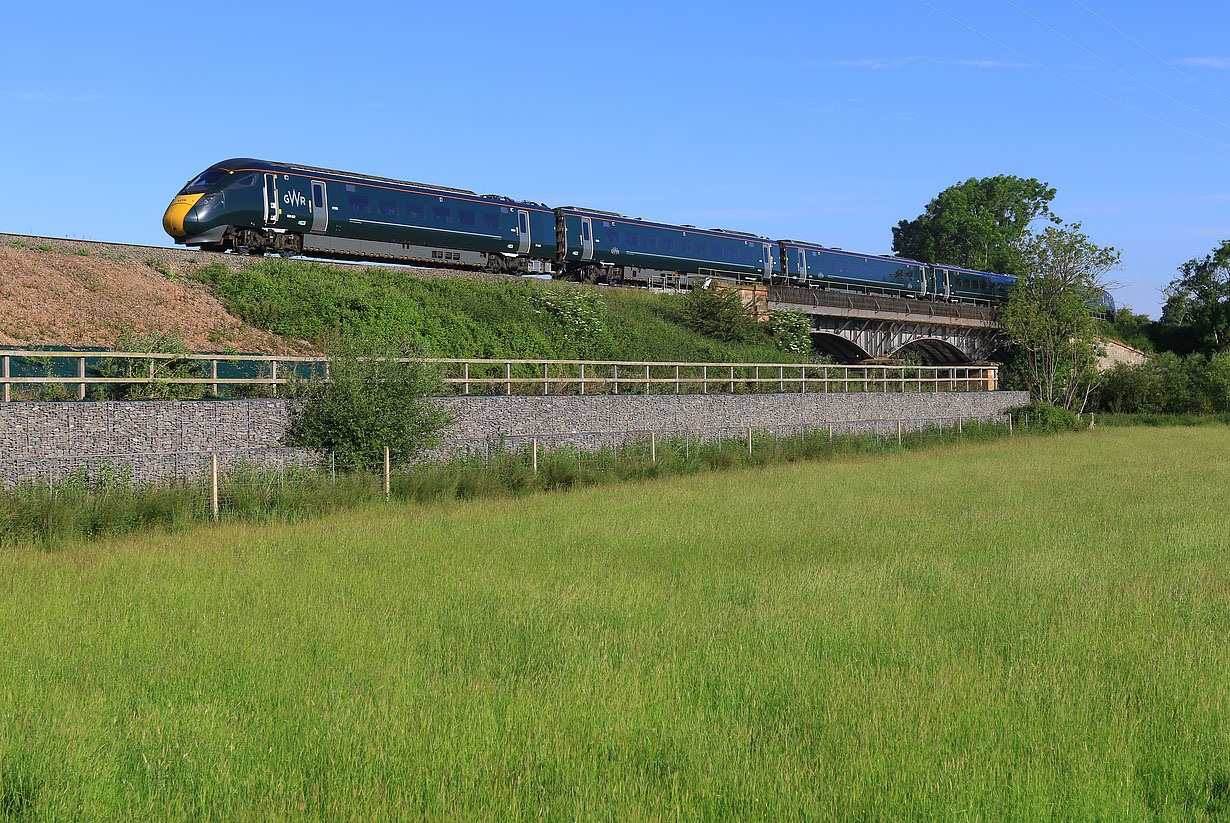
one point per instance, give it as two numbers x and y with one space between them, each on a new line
173 219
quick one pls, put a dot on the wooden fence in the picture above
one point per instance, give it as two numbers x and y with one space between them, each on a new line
476 376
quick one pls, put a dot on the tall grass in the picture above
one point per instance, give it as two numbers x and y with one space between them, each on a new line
1020 629
77 509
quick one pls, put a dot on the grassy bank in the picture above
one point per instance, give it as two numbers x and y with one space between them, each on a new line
1021 629
469 317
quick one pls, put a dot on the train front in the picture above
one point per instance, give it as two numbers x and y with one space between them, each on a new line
198 215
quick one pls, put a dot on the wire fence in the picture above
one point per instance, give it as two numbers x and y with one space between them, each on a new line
230 474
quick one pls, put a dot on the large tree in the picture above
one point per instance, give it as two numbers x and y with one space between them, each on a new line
979 224
1048 315
1198 301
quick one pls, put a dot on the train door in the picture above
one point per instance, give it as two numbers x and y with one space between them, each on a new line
320 208
768 261
947 285
802 264
271 199
587 239
523 232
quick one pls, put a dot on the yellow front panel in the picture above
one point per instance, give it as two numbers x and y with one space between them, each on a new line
173 220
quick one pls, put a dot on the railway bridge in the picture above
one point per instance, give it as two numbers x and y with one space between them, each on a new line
852 326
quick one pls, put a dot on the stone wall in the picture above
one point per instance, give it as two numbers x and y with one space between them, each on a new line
157 440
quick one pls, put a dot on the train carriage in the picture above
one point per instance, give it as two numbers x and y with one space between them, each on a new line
970 285
808 264
255 206
605 245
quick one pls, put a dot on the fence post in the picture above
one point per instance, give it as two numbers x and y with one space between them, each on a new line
333 467
615 377
676 378
647 382
749 439
830 432
582 381
273 376
802 379
81 375
8 395
653 448
1009 425
781 383
898 432
213 375
544 378
465 379
386 472
704 379
534 454
960 425
213 486
732 379
507 379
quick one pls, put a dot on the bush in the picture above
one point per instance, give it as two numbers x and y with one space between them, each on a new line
1043 417
719 312
370 402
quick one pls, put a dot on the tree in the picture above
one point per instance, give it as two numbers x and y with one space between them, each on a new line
370 401
719 312
979 224
1048 313
1198 301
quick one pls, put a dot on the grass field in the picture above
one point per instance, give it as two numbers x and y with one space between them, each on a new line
1022 629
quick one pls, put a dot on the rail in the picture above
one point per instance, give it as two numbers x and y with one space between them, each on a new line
208 374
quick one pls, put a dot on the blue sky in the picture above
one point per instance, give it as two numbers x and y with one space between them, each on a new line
817 121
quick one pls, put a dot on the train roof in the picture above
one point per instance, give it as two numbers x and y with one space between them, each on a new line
818 247
248 162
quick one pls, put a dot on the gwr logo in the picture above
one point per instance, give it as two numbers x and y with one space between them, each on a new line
295 198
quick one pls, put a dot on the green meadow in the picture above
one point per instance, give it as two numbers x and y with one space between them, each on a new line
1027 628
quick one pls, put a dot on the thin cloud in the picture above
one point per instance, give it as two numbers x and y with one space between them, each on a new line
1204 62
877 63
40 97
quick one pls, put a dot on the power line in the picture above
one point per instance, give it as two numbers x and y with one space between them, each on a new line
1124 72
1075 82
1151 52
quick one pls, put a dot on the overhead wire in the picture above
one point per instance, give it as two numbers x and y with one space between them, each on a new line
1152 53
1078 83
1122 71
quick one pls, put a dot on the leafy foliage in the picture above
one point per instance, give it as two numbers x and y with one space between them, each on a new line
1167 383
1043 417
370 402
978 224
720 313
1198 301
166 342
791 330
1048 318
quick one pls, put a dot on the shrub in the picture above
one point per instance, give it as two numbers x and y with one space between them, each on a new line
370 402
1043 417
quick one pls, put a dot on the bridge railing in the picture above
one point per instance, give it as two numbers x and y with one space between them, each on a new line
102 375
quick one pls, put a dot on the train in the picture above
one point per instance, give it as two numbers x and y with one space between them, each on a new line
259 207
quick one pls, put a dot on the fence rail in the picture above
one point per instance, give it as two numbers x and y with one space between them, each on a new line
477 376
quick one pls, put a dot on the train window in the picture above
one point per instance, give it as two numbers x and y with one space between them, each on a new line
633 240
388 208
491 220
612 237
668 244
246 180
360 204
442 214
415 211
651 242
467 217
685 245
350 187
318 196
